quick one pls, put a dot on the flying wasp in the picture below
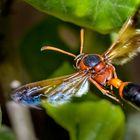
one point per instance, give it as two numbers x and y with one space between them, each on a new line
91 68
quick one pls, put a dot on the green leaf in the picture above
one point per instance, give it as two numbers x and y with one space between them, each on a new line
64 67
102 16
6 134
89 120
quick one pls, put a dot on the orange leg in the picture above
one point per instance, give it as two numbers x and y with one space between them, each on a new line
111 90
104 91
114 71
114 77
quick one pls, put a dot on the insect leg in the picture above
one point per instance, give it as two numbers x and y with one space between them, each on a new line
104 91
114 71
114 76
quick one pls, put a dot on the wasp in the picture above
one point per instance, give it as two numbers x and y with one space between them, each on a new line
91 68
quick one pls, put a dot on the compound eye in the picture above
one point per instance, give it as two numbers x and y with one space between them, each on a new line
92 60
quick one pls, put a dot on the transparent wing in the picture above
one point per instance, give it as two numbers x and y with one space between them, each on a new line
56 91
127 44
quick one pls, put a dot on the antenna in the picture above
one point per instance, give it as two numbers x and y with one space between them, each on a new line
56 49
81 40
65 52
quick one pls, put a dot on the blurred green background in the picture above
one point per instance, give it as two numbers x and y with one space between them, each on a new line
25 29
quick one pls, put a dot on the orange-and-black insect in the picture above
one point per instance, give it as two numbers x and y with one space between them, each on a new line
94 68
